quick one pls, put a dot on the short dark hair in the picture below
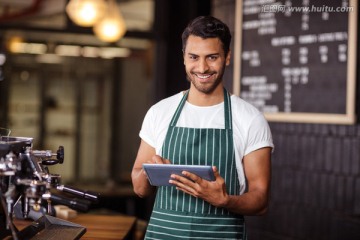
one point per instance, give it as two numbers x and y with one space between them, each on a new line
208 27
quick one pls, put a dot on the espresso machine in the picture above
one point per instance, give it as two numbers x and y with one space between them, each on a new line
28 191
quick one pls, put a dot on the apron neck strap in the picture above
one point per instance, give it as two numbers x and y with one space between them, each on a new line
227 110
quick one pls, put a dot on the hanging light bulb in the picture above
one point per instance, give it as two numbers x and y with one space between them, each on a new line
112 26
85 13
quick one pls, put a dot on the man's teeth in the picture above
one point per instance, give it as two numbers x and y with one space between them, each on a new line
203 76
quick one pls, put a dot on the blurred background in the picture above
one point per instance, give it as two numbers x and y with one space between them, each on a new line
70 83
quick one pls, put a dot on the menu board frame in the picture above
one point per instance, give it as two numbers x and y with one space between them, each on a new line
349 117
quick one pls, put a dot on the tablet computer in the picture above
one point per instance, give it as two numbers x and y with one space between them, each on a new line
159 174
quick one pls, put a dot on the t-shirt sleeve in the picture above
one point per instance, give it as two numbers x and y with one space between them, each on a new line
259 134
147 128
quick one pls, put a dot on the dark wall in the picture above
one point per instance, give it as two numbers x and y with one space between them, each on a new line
315 184
315 176
171 17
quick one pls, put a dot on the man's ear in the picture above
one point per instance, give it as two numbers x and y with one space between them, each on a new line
228 57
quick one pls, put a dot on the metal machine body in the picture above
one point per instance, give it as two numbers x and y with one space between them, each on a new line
26 185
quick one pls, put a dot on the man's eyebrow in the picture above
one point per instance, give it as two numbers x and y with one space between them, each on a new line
208 55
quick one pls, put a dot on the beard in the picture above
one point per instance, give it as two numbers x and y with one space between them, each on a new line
209 87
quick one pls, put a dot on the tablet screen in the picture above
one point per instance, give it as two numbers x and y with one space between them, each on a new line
159 174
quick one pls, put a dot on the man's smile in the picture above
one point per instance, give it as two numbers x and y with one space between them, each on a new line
203 76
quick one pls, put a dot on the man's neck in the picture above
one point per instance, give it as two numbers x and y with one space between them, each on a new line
206 99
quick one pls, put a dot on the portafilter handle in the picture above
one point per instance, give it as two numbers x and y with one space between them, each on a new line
92 196
74 203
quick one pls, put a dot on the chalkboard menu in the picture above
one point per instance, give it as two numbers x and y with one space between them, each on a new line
295 60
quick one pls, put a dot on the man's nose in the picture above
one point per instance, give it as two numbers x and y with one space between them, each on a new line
203 66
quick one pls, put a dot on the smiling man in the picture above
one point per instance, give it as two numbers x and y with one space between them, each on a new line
205 125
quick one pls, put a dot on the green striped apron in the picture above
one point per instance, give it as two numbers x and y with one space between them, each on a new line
177 215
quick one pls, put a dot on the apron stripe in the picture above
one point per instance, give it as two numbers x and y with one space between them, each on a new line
182 230
168 147
170 223
226 162
175 147
167 235
193 152
187 145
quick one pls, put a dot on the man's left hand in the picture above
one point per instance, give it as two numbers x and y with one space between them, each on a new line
213 192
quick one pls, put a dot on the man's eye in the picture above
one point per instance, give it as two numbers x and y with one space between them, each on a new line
213 58
193 57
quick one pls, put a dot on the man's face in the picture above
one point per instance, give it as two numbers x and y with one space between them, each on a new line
205 63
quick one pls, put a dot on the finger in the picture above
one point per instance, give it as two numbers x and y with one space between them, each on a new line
183 186
144 172
183 180
216 172
157 159
193 177
185 191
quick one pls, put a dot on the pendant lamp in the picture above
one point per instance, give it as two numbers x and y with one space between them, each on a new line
112 26
85 13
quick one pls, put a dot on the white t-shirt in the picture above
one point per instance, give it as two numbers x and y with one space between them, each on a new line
250 129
